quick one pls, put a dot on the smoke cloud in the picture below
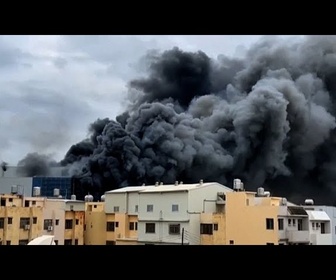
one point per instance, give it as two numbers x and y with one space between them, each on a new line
267 118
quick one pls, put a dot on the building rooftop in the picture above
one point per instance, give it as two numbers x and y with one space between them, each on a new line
317 215
181 187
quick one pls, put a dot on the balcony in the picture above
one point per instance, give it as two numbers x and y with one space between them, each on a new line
295 236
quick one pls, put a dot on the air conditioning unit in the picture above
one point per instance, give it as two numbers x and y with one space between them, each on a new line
27 227
50 228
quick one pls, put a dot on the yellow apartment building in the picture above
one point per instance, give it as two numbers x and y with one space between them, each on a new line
20 219
245 219
121 209
95 224
64 219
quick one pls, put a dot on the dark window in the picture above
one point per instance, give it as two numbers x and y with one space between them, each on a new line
10 199
10 220
68 224
47 223
23 242
116 224
150 208
207 229
24 222
269 223
57 222
34 202
231 242
108 242
26 203
280 224
215 226
8 242
95 206
77 221
289 222
150 227
133 226
294 222
67 241
76 241
2 222
34 220
110 226
56 242
174 229
116 209
175 208
3 202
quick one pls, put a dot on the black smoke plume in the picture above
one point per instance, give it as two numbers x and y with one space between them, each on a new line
34 164
267 118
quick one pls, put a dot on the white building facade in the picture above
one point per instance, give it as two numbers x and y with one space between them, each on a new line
170 214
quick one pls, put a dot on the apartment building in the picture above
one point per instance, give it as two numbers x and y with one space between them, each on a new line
20 218
63 218
121 209
256 218
95 222
171 214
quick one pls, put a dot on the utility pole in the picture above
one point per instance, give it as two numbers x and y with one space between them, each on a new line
182 236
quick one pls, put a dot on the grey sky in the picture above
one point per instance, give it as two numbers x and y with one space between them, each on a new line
53 87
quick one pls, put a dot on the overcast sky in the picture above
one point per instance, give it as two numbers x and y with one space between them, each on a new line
53 87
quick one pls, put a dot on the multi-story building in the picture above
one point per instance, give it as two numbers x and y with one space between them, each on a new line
95 222
171 214
121 209
256 218
20 218
47 186
23 219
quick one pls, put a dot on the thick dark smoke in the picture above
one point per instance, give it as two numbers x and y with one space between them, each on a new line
268 118
4 166
35 164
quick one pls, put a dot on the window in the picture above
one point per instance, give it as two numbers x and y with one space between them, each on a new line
77 221
109 242
67 241
150 227
10 199
289 222
9 220
2 222
116 209
56 242
116 224
110 226
8 242
207 229
68 224
136 208
76 241
26 203
175 208
24 222
34 220
231 242
3 202
57 222
294 222
34 202
133 226
280 224
23 242
174 229
269 223
47 223
95 206
150 208
215 227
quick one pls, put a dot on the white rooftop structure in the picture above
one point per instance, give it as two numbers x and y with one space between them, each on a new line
43 240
